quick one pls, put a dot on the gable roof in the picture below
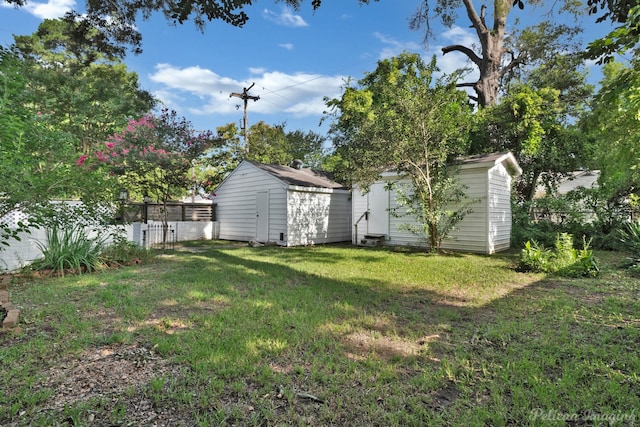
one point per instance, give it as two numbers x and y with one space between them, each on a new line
507 159
299 177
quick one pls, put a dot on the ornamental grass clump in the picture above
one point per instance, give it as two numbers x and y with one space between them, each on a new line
564 260
630 240
70 249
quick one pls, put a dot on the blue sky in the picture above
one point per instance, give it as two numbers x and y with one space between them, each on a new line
295 58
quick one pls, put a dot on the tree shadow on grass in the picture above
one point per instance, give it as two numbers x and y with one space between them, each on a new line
246 322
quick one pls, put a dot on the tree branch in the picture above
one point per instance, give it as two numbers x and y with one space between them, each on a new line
477 21
463 49
514 63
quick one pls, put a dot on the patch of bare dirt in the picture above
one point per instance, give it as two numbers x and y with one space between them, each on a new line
119 378
361 343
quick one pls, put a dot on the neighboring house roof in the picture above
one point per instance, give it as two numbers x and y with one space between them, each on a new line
575 180
586 179
507 159
197 199
299 177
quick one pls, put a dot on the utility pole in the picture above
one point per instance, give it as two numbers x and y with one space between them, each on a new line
245 97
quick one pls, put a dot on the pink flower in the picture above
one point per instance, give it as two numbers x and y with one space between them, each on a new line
38 113
109 144
81 160
101 156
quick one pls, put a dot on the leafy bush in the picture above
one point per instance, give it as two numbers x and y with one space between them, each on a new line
122 251
586 214
564 260
70 249
534 257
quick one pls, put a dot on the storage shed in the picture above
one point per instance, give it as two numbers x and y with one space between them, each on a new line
289 206
487 229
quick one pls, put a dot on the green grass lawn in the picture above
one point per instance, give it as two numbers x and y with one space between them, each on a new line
219 334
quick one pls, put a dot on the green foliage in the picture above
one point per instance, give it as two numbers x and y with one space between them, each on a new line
534 257
52 107
83 86
123 252
70 249
528 122
585 213
35 156
620 39
265 144
400 118
438 223
630 238
563 260
612 126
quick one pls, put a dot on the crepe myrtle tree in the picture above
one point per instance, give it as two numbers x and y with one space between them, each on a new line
153 155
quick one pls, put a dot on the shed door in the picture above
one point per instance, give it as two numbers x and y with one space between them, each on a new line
378 210
262 216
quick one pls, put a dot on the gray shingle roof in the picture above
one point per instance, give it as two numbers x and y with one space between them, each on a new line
301 177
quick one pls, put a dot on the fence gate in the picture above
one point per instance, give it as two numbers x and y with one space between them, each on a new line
160 236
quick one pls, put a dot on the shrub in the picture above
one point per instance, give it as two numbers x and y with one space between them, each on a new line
122 251
630 242
70 249
564 260
534 257
584 213
630 238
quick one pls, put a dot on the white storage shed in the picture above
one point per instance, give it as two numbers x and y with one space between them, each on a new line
487 229
288 206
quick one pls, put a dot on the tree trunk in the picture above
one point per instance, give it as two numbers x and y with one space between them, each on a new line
492 42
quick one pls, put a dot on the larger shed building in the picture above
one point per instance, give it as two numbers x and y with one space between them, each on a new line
487 229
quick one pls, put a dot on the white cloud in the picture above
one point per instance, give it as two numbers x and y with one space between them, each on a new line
287 46
448 63
459 35
394 47
453 61
296 95
256 70
50 10
286 18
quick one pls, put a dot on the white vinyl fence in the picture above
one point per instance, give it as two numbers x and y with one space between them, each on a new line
23 252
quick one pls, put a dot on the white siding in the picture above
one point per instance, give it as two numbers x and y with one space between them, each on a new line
486 229
297 215
359 207
318 216
398 232
470 234
500 209
236 203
